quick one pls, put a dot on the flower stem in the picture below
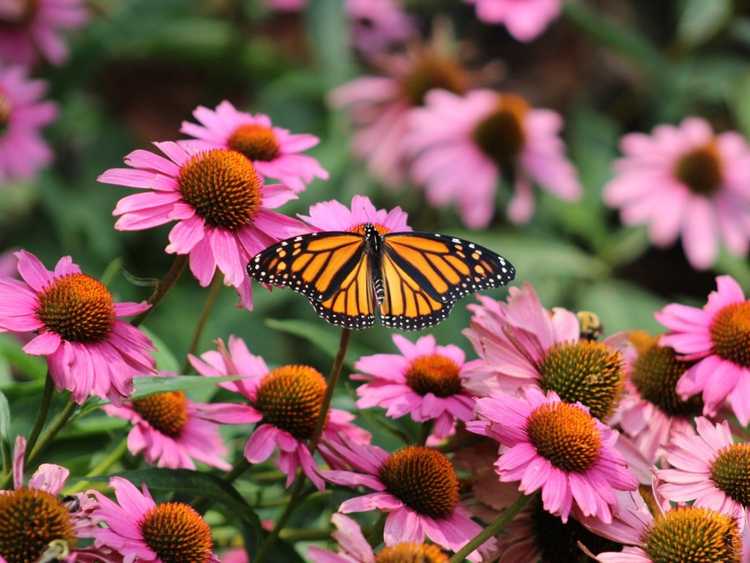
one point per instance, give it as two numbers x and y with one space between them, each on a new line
239 468
41 418
505 518
299 484
213 294
101 468
55 426
333 378
163 287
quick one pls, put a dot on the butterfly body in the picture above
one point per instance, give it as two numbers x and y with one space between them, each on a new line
411 279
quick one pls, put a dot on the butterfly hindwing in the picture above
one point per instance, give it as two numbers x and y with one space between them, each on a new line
330 268
424 274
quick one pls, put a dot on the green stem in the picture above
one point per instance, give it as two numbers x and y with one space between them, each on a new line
239 468
333 378
299 484
213 294
41 418
505 518
163 287
102 467
55 426
295 534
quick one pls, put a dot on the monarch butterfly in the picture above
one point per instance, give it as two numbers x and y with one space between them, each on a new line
415 278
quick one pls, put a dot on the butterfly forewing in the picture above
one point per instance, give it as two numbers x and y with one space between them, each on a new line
424 274
330 268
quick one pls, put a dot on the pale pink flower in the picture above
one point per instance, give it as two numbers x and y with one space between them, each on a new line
285 402
141 530
423 381
354 548
650 538
525 19
707 468
29 28
717 337
69 519
416 486
462 145
556 447
173 431
89 350
238 555
219 200
521 343
380 107
334 216
274 152
23 151
686 181
651 410
378 24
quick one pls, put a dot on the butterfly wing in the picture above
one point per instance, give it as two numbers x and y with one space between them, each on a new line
331 269
424 274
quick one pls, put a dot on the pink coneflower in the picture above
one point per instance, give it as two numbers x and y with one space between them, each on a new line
556 447
220 202
522 343
274 152
380 106
354 548
32 27
22 115
141 530
238 555
525 19
707 467
424 381
686 181
651 410
173 431
462 145
286 404
717 337
416 486
378 24
34 516
89 350
686 534
334 216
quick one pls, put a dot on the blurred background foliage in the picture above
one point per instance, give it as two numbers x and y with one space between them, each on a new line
141 66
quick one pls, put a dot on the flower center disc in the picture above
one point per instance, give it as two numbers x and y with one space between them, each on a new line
256 142
177 533
730 333
434 374
409 552
655 374
700 170
693 535
167 412
731 472
591 373
290 398
423 478
501 135
23 12
78 308
566 435
223 188
5 110
559 543
29 520
432 72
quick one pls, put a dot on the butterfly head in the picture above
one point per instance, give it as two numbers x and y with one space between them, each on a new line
373 237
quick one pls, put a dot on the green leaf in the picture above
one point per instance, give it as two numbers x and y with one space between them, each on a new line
320 335
702 19
165 360
193 485
4 418
621 306
742 103
328 31
150 385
